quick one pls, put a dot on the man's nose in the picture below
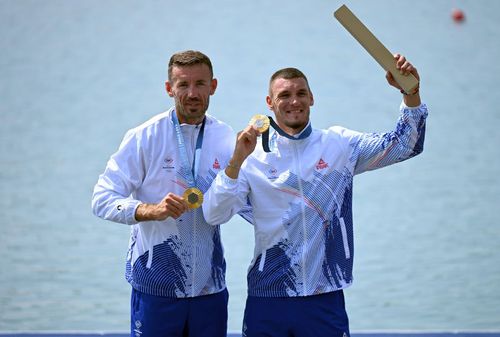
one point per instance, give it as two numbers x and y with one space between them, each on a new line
192 91
295 99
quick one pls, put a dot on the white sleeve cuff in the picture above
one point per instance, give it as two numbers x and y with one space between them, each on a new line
227 182
420 110
404 106
129 208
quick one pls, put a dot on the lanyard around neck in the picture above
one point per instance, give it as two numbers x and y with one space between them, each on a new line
193 172
265 135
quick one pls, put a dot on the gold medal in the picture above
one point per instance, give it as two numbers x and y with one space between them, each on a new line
194 197
261 123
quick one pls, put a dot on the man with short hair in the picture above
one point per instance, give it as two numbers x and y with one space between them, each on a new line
154 182
299 184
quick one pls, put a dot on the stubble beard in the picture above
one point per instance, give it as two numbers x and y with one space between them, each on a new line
191 117
296 125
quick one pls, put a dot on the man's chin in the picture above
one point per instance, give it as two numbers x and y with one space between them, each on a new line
296 127
196 114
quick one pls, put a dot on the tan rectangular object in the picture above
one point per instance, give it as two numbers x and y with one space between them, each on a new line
373 46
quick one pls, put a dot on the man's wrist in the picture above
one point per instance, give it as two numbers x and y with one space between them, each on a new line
233 165
145 212
233 168
412 92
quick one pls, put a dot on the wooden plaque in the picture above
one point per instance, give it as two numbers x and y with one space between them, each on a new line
373 46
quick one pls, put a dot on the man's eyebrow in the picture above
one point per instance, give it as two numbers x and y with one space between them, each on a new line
286 91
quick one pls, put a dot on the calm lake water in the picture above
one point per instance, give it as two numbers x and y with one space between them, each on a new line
75 75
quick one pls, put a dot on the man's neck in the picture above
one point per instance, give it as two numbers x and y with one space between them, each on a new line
291 131
191 121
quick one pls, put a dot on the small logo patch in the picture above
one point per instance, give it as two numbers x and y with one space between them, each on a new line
273 173
216 164
321 164
168 163
137 330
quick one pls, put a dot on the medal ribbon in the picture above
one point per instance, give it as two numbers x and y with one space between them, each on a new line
265 135
191 177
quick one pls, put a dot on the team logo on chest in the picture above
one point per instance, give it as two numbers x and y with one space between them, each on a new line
272 173
216 164
321 164
168 163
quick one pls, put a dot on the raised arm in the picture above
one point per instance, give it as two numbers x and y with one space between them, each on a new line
228 193
245 144
376 150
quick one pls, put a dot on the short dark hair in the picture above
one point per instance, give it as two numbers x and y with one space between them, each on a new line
288 74
188 58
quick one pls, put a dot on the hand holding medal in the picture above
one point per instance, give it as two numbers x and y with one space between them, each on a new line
245 143
260 122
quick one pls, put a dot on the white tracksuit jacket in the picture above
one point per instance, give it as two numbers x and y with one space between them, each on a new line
173 258
301 198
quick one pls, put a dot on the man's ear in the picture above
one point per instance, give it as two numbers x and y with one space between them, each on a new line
213 86
269 102
168 88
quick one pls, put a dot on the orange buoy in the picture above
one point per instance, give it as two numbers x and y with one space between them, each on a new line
457 15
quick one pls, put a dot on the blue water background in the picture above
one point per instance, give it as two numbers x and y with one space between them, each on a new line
75 75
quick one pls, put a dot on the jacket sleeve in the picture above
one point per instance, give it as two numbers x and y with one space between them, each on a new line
113 194
225 198
370 151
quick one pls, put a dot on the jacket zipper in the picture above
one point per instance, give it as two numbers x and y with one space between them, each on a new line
303 213
195 220
195 249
